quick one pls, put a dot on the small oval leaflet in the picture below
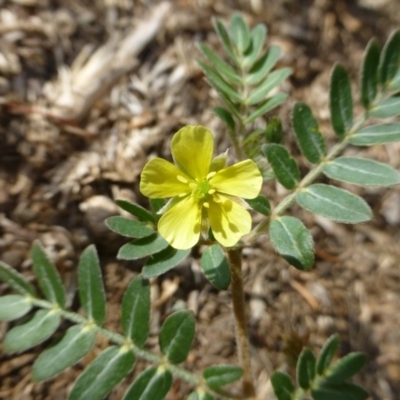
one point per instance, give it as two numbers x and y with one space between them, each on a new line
361 171
104 372
176 336
74 345
14 306
334 203
151 384
376 134
22 337
215 267
293 241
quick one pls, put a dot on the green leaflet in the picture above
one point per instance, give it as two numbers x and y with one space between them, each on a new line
305 369
390 57
282 385
151 384
74 345
341 101
285 167
91 287
216 267
16 280
369 74
310 140
14 306
104 372
293 241
162 262
327 354
386 108
142 247
361 171
221 375
334 203
137 211
135 318
376 134
176 336
47 275
22 337
129 227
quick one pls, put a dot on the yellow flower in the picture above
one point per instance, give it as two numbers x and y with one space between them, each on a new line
203 192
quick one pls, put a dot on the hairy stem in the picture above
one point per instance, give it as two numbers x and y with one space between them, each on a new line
242 338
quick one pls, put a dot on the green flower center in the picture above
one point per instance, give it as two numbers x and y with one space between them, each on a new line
201 191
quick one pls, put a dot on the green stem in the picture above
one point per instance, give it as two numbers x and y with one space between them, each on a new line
242 338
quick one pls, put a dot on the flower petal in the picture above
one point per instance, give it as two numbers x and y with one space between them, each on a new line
159 180
192 149
242 180
229 221
180 226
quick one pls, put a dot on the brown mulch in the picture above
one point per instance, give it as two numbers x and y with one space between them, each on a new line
89 90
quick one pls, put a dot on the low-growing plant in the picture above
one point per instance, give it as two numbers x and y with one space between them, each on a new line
203 201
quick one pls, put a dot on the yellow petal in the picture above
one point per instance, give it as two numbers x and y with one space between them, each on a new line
242 180
181 225
159 179
229 221
192 149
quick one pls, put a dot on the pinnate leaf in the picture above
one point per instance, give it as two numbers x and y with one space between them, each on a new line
334 203
104 372
75 344
176 336
47 275
293 241
22 337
